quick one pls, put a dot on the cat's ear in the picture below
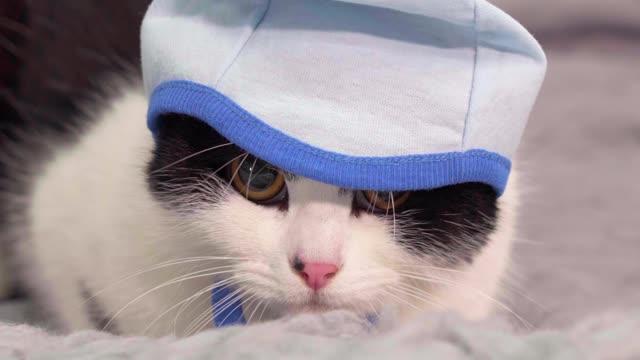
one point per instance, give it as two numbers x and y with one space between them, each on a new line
186 152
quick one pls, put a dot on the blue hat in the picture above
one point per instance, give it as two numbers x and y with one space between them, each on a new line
362 94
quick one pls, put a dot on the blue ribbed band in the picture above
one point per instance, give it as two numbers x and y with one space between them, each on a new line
410 172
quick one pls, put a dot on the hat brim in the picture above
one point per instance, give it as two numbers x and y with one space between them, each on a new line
393 173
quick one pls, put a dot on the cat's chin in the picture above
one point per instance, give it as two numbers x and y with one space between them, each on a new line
316 309
314 304
319 304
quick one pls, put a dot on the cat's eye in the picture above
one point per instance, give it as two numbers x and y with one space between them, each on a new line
381 200
257 180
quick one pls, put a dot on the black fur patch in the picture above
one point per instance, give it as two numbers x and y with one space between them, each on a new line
191 160
174 180
451 222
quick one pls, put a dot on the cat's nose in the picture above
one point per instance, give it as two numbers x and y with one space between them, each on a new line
315 275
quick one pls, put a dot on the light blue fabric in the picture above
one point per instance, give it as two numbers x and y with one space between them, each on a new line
366 94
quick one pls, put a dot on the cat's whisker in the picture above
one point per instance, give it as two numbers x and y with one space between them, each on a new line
510 287
226 282
375 311
360 287
205 317
241 305
431 267
381 304
166 283
196 267
201 185
208 288
228 300
255 160
435 280
376 279
373 199
400 300
192 155
420 294
235 173
210 314
227 163
255 309
386 214
393 206
186 302
191 300
251 177
263 310
411 295
516 290
163 265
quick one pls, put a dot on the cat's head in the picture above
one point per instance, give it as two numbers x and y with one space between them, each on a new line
307 245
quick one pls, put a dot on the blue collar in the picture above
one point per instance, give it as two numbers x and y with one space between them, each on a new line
227 307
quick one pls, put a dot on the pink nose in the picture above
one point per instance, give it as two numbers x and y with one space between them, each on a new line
316 275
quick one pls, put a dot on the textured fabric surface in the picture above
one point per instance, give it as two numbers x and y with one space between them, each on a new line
340 336
362 79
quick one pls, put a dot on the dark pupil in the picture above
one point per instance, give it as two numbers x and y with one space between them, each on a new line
257 174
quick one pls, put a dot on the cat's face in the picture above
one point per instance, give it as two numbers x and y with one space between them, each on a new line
307 245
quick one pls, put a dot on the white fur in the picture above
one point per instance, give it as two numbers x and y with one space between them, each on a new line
93 220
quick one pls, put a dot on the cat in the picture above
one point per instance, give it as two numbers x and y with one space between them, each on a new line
113 230
115 203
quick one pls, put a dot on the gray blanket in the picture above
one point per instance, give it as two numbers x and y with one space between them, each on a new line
340 336
577 257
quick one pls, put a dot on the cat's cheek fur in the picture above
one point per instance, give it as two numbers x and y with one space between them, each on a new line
478 289
91 222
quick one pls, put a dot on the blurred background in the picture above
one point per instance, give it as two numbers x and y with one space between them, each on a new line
580 157
579 249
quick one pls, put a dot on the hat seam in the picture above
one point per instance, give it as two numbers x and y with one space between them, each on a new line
473 76
264 15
